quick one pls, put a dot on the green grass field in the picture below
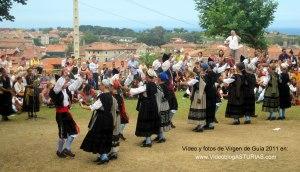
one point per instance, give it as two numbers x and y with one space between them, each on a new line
28 145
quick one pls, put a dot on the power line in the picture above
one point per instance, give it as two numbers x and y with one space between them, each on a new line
113 14
160 13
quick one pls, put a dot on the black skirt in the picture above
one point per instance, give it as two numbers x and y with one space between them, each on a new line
173 102
100 137
249 106
148 122
66 125
6 104
234 111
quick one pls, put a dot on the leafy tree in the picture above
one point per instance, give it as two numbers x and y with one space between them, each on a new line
249 18
53 41
155 36
46 30
5 7
70 49
148 58
90 38
37 41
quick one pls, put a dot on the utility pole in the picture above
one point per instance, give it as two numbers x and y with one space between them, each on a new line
76 28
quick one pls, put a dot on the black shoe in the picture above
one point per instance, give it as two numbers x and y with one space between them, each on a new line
68 153
216 121
5 118
103 162
283 118
207 127
236 123
97 160
122 137
112 156
144 145
195 129
156 139
61 154
199 130
272 118
161 140
269 118
172 125
279 118
247 122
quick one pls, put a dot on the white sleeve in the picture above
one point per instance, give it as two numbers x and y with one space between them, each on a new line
76 85
221 69
59 85
254 60
228 80
97 105
292 88
261 96
227 40
266 80
188 91
135 91
16 88
192 82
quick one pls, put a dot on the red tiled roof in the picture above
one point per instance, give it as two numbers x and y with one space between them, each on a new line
105 46
49 62
56 48
179 46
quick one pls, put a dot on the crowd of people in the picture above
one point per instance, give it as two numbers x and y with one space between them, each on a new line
241 81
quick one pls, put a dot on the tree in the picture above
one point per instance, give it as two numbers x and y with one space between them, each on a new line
37 41
90 38
155 36
148 58
70 49
249 18
5 7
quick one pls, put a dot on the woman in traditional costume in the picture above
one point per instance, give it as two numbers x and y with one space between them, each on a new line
99 138
235 103
271 95
148 122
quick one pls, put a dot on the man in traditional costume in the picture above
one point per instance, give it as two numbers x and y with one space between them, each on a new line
67 127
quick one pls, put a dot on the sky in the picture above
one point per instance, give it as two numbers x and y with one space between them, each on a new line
124 13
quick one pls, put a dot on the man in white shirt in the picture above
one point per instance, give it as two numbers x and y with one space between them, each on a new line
94 68
233 43
133 65
67 127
